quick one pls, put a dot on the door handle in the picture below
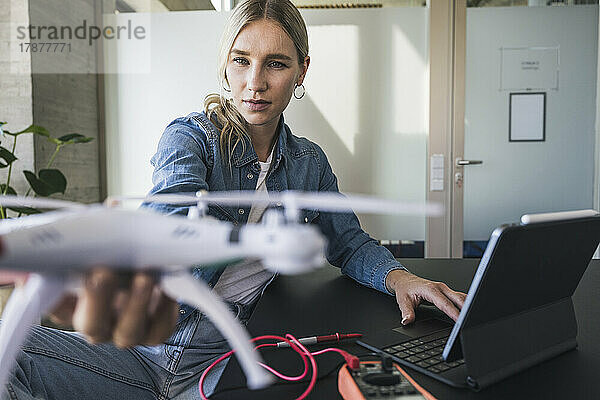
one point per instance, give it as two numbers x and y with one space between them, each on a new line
461 162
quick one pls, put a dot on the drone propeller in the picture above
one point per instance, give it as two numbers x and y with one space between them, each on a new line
294 200
32 202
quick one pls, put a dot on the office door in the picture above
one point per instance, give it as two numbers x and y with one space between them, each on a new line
527 145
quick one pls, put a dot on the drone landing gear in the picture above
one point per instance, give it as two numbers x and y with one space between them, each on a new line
24 308
184 287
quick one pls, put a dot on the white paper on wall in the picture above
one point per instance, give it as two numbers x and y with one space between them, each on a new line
527 117
529 68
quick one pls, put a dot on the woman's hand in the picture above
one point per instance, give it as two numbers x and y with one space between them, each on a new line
12 278
127 310
411 290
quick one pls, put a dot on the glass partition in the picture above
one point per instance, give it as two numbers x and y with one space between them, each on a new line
366 103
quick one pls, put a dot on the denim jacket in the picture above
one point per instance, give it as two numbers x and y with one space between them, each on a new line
189 159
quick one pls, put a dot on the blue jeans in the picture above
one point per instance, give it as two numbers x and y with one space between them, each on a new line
55 364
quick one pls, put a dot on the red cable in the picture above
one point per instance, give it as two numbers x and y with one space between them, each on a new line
279 374
313 363
296 346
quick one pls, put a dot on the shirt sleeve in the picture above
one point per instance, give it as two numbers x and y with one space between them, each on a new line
180 165
349 247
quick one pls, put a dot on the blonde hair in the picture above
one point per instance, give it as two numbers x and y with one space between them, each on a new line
232 124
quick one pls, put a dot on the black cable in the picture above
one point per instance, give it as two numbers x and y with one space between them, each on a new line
287 383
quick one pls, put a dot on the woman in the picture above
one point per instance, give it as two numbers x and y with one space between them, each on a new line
240 142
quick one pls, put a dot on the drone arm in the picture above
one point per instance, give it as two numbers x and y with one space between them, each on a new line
185 288
25 306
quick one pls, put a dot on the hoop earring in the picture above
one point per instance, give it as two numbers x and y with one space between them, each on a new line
228 88
303 91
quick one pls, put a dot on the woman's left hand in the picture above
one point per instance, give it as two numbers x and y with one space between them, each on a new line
411 290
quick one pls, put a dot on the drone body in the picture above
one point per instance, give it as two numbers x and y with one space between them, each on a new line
140 240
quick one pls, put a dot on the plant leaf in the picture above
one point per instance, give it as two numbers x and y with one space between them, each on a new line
74 138
50 181
6 157
37 185
10 190
22 210
55 179
38 130
25 210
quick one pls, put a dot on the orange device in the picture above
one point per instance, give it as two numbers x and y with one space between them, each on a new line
374 380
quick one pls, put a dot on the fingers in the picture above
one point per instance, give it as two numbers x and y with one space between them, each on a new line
163 321
438 297
410 290
93 315
125 310
63 312
458 298
407 308
10 278
133 321
444 298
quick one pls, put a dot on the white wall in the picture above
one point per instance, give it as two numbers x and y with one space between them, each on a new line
366 101
140 105
518 178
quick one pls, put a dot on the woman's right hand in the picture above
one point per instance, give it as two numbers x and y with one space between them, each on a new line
127 312
112 307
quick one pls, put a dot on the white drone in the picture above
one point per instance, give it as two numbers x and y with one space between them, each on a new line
58 247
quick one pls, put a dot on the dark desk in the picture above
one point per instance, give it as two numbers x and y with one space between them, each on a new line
324 302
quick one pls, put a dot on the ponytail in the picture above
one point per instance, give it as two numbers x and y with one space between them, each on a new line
233 126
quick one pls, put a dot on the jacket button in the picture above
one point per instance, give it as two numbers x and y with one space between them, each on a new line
250 176
305 219
181 311
241 211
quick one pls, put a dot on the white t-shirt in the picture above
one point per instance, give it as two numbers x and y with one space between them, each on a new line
243 282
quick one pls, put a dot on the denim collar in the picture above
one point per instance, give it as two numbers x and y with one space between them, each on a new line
250 156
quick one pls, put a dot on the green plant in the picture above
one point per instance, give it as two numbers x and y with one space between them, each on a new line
47 181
